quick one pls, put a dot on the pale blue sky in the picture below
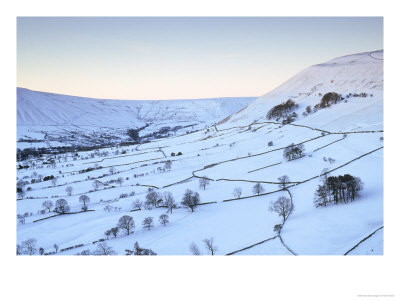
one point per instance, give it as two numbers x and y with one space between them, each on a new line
176 58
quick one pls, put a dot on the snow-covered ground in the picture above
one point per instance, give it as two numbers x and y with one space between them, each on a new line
232 154
52 120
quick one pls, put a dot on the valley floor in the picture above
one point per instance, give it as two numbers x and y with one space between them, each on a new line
236 157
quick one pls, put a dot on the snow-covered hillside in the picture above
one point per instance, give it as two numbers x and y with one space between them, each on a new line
45 119
234 155
38 109
357 73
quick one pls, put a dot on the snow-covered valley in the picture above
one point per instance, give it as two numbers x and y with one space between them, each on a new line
234 147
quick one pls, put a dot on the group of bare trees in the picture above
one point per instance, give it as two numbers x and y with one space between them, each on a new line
127 224
209 244
28 247
137 250
337 189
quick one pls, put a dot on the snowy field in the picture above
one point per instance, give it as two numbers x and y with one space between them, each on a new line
346 138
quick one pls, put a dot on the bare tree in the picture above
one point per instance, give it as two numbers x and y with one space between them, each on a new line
69 189
126 223
56 247
194 249
152 197
21 219
21 192
258 189
163 219
47 205
168 165
114 231
62 206
237 192
190 199
108 233
210 246
20 183
169 201
282 206
103 249
137 204
85 200
203 182
120 181
28 246
111 170
41 251
284 180
19 250
96 185
148 223
108 208
54 181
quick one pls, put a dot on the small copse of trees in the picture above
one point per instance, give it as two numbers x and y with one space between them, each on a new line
337 189
282 110
293 151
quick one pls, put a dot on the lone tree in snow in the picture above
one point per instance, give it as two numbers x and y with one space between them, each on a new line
114 231
137 204
169 201
108 233
194 249
148 223
29 246
203 182
56 247
210 246
21 193
168 165
258 189
237 192
284 180
163 219
293 151
126 223
62 206
96 185
190 199
111 170
21 219
69 189
103 249
54 181
152 197
85 200
282 206
120 181
47 205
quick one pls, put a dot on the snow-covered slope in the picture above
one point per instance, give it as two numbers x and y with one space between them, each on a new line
345 138
38 108
357 73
